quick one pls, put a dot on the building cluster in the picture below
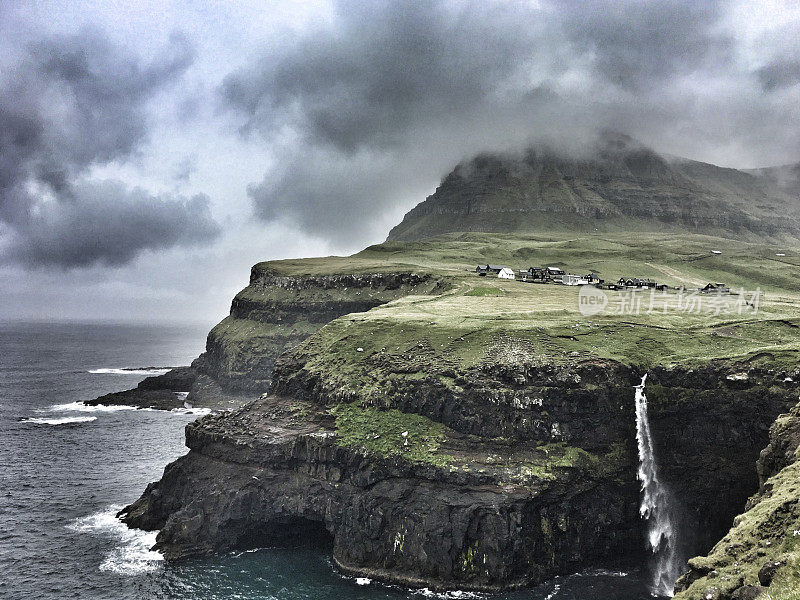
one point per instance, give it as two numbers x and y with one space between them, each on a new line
559 276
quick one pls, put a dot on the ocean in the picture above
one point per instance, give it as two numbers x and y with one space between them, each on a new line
66 469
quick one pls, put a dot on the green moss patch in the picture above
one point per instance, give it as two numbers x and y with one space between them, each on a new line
390 433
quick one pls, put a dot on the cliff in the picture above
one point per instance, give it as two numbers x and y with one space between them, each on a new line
414 488
280 307
277 311
474 433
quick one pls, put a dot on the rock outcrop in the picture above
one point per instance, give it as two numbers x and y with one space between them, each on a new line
162 392
273 313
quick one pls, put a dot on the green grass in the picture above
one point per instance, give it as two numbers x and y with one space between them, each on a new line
390 433
547 315
485 291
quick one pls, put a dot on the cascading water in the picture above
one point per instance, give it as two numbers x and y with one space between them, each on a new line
657 506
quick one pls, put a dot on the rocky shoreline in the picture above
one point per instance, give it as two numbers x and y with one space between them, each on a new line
180 387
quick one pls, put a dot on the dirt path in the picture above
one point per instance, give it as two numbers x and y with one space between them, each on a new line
670 272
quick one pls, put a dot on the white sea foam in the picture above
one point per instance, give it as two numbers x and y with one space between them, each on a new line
600 573
191 411
556 589
131 371
81 407
57 420
131 554
363 580
451 595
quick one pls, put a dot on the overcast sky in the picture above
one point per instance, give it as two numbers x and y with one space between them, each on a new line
151 152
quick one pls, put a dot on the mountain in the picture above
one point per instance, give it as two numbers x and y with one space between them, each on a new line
619 185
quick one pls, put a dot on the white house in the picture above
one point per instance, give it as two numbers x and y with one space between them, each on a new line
570 279
506 273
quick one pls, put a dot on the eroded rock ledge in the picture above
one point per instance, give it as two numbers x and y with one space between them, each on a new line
472 514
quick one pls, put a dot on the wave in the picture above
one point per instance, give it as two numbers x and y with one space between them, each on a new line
451 595
191 411
131 371
81 407
57 421
132 554
556 589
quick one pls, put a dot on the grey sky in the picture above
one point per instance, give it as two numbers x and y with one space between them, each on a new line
150 152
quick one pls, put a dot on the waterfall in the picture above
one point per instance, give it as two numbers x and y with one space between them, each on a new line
657 506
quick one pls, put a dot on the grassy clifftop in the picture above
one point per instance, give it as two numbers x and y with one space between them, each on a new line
460 324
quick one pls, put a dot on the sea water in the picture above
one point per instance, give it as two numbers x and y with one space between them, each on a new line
67 468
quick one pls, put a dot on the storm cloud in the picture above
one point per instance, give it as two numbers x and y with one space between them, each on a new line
380 101
69 104
108 223
142 164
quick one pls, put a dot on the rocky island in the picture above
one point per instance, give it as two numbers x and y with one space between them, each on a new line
432 428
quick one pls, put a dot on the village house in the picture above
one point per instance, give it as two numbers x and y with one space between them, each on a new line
715 288
636 282
555 274
505 273
533 275
570 279
483 270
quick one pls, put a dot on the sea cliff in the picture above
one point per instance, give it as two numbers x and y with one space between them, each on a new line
432 428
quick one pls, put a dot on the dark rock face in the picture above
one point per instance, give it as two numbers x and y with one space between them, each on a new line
179 379
758 549
279 465
583 403
784 440
748 592
767 572
710 424
262 472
